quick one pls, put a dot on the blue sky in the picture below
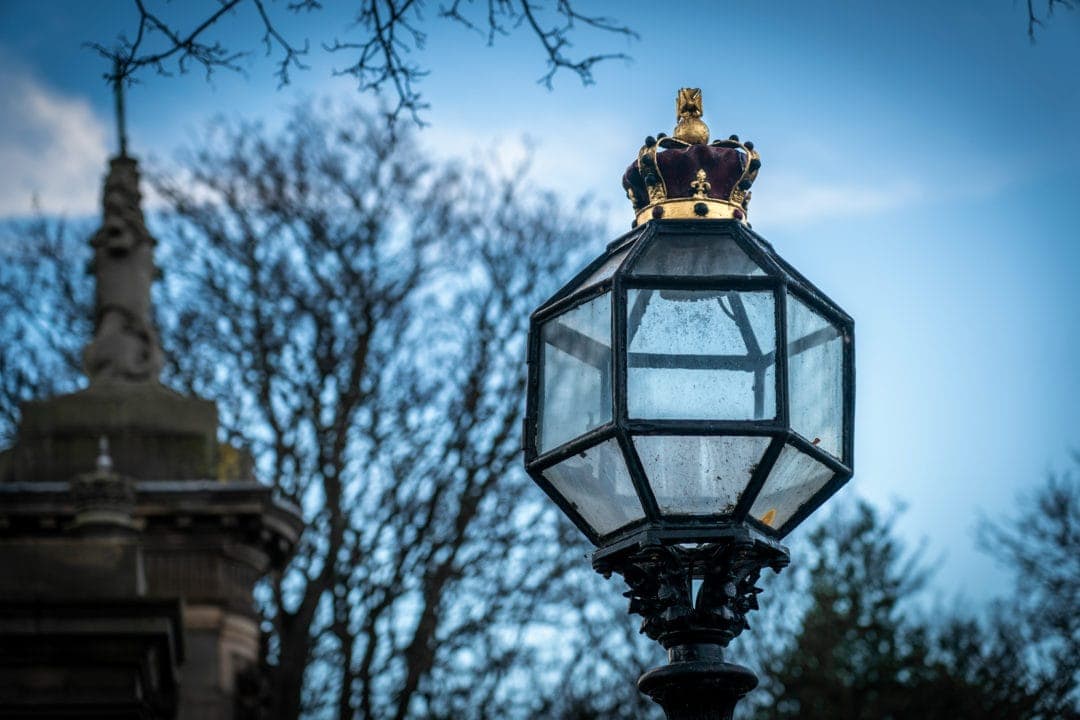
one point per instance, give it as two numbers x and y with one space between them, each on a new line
921 163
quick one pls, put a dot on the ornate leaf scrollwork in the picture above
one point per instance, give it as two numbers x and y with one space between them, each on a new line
661 582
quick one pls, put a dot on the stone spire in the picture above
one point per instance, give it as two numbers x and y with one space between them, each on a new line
125 346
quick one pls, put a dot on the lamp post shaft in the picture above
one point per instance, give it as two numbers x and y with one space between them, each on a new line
697 684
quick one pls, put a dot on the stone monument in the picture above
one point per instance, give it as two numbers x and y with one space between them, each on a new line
131 539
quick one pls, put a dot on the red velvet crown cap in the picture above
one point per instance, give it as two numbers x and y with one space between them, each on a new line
724 168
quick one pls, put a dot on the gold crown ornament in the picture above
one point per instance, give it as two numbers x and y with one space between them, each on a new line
684 176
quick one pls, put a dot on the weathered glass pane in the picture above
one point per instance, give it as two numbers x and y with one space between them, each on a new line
794 479
815 377
607 269
701 355
598 485
699 475
695 255
575 392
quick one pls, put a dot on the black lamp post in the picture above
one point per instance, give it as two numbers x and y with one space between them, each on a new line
690 402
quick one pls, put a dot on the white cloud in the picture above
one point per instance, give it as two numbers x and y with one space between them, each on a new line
52 149
790 200
571 167
796 198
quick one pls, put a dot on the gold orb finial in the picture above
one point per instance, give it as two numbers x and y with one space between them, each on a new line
690 128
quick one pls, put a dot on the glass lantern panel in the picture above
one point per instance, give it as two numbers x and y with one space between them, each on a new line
701 355
607 269
699 475
794 479
695 255
598 485
815 377
575 392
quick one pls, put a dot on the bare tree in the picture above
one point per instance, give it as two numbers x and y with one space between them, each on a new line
378 44
360 316
358 313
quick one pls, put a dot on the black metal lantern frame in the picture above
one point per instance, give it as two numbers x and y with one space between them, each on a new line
612 273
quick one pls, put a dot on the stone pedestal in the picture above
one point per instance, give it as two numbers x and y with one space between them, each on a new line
128 590
153 432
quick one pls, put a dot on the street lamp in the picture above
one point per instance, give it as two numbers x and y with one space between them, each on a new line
690 402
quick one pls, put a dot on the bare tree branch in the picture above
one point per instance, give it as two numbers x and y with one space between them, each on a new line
1034 19
556 41
128 55
271 36
381 42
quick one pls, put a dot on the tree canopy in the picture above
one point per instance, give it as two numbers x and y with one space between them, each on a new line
866 645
